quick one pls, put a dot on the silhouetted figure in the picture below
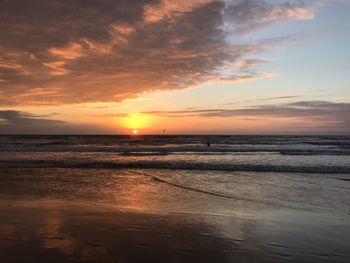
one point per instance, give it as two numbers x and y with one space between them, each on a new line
208 143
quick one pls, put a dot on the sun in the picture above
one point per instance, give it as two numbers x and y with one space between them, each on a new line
135 132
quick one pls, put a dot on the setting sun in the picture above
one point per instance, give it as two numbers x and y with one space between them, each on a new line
135 132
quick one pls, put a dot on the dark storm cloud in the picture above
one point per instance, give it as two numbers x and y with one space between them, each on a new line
57 52
323 112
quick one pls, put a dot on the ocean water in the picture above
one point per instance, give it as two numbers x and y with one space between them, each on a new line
302 172
328 154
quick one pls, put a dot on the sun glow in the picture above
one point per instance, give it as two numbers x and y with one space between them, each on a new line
136 121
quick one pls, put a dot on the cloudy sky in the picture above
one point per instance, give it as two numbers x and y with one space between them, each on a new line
194 66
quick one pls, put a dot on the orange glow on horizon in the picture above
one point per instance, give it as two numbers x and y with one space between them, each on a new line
136 121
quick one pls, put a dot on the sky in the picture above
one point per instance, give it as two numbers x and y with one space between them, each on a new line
186 67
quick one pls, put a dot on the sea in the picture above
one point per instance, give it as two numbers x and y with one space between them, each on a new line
306 172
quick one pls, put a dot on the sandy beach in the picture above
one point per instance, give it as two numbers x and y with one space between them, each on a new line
60 219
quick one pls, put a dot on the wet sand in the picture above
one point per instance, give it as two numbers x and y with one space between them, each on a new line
143 220
77 234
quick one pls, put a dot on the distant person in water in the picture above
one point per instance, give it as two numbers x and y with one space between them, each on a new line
208 143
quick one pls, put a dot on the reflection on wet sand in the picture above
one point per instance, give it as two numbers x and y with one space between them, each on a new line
51 233
121 216
55 231
64 234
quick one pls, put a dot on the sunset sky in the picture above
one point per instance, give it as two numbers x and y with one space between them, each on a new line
190 67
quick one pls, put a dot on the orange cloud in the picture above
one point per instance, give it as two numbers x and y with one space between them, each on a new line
72 51
94 46
168 8
57 68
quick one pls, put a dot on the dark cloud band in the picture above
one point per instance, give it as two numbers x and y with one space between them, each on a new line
328 114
